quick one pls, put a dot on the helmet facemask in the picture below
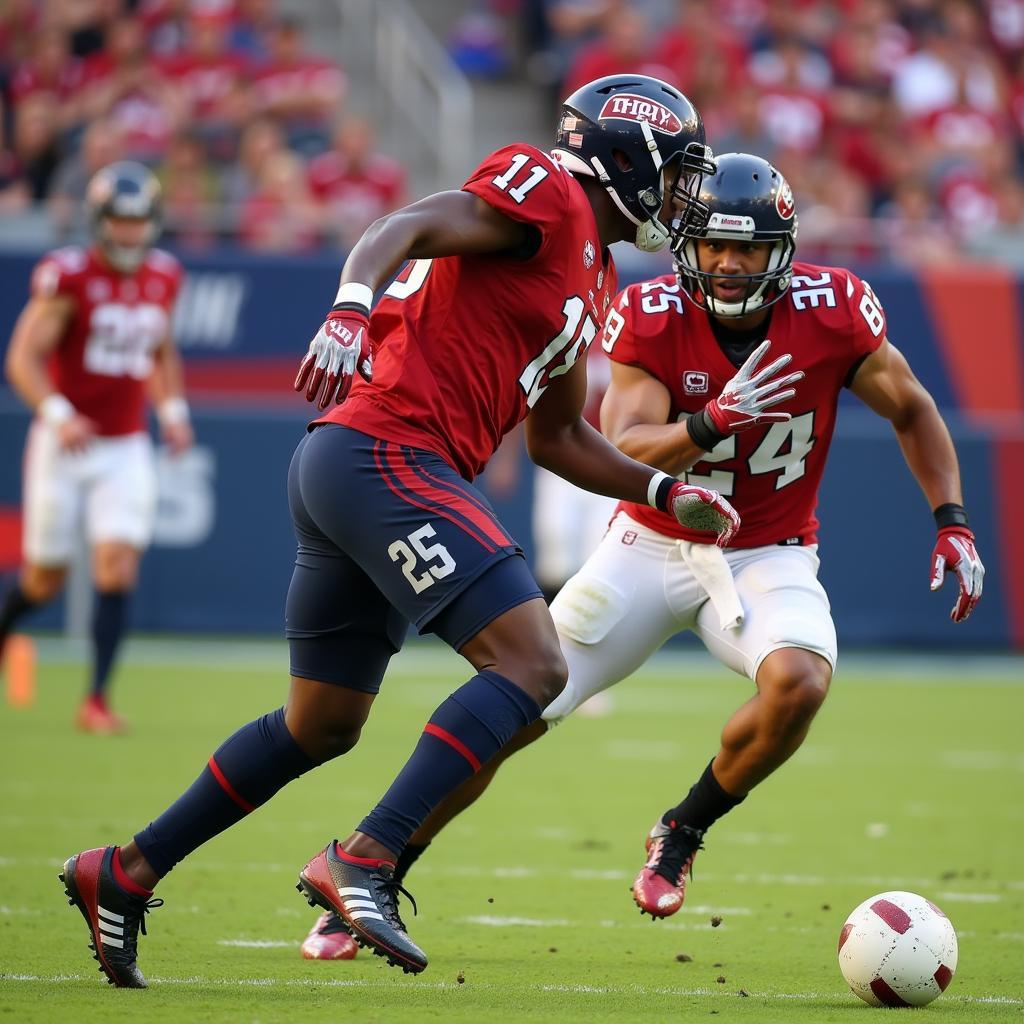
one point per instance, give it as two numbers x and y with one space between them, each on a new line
763 289
625 130
124 258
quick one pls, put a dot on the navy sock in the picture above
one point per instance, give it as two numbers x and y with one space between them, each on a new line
108 622
14 605
465 732
704 804
244 773
407 858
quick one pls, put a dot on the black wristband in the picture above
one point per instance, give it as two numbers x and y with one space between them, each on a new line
353 307
661 495
950 514
703 431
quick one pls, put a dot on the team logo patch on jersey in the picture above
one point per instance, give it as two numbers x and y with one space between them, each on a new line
784 201
695 382
626 106
629 537
589 255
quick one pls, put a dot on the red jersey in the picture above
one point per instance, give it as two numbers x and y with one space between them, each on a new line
102 363
829 321
464 346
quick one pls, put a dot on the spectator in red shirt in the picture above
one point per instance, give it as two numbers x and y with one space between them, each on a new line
303 92
211 80
698 36
127 86
794 114
281 215
51 68
625 46
353 183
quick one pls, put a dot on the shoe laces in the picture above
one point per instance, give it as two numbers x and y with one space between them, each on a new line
678 848
388 888
135 921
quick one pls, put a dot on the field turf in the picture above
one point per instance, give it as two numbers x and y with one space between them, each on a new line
913 778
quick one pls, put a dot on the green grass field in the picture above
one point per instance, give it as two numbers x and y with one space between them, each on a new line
913 777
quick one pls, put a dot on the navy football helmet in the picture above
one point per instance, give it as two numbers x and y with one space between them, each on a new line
625 130
129 190
748 200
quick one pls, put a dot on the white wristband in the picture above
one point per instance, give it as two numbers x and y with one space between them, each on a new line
172 411
352 291
55 409
653 487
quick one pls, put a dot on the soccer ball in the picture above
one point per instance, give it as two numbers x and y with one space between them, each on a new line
897 949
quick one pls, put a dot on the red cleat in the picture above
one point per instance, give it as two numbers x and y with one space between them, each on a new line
364 895
114 916
96 717
660 888
329 939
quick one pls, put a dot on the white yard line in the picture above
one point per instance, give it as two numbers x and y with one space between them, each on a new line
372 983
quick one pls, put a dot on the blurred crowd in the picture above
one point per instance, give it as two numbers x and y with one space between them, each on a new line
244 126
899 123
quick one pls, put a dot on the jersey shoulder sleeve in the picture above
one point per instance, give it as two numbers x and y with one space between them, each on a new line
843 306
867 324
167 266
525 184
637 326
59 272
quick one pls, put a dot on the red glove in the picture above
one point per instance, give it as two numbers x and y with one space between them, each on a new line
338 350
954 549
698 508
750 392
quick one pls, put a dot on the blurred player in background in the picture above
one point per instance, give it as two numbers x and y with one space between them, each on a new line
95 334
762 441
509 281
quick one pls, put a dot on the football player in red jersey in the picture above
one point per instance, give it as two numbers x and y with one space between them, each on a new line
690 393
509 279
94 335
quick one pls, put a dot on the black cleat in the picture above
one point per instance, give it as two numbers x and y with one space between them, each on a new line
113 915
364 895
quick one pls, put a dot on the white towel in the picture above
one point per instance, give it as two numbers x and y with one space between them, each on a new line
711 570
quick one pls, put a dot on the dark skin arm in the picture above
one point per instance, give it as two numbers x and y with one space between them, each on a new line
446 224
559 439
557 436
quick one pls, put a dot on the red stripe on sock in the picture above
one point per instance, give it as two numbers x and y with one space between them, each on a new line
228 788
123 880
366 862
454 743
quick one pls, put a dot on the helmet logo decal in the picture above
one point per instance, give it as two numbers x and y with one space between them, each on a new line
627 106
589 255
784 200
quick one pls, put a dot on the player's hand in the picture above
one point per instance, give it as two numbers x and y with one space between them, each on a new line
698 508
178 437
745 398
338 350
75 433
955 550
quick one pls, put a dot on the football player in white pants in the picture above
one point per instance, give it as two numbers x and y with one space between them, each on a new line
94 336
698 390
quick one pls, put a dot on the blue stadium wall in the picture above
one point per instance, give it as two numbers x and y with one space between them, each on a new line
224 547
